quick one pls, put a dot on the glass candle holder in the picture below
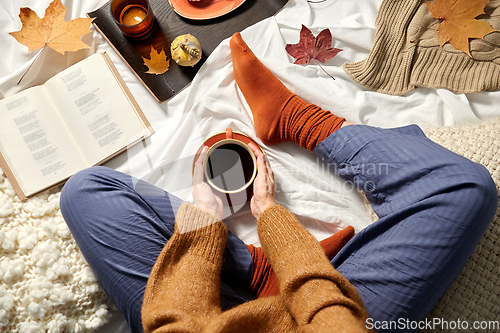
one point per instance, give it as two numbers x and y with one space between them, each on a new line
134 17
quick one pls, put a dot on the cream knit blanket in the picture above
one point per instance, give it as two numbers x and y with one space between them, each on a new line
475 294
46 285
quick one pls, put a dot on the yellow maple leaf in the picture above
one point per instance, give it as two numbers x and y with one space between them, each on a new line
458 21
158 62
52 30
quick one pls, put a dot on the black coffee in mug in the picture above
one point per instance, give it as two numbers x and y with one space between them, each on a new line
230 167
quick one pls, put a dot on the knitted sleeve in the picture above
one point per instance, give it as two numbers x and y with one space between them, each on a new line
183 290
317 296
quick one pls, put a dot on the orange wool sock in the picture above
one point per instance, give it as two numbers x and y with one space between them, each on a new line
264 282
333 244
279 115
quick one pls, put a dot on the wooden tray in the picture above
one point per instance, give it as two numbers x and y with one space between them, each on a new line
169 25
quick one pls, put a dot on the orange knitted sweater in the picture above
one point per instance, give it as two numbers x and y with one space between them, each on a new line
183 290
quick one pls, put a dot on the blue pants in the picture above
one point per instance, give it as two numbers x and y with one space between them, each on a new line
434 206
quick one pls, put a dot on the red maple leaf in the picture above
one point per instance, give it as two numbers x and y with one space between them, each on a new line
310 47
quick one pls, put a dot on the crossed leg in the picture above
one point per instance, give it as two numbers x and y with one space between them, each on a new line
434 206
121 224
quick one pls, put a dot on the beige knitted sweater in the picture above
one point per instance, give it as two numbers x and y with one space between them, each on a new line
406 53
182 293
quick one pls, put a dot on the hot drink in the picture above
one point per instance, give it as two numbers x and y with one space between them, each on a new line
230 167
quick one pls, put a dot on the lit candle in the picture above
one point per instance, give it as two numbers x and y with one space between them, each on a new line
132 15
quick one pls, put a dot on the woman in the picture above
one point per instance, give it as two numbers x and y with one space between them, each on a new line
433 208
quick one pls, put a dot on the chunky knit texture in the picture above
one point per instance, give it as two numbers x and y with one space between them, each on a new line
264 282
182 293
475 294
46 285
406 54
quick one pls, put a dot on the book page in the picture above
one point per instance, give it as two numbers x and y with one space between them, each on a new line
101 119
34 141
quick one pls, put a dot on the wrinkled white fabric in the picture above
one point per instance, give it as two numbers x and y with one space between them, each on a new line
213 102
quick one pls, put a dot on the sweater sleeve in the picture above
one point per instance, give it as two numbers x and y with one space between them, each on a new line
183 289
319 298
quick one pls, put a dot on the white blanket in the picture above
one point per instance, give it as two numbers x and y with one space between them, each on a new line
213 102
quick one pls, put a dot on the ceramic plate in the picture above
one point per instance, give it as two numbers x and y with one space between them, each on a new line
204 9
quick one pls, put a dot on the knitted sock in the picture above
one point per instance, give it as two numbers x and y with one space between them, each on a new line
279 115
333 244
264 282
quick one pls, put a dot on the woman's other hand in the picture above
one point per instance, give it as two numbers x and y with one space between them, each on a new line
263 186
204 198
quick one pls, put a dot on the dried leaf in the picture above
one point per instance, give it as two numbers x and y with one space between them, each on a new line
52 30
458 21
158 62
310 47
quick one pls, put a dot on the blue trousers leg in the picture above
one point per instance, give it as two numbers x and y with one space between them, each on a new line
434 206
121 224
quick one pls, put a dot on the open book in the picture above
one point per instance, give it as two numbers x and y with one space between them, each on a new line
81 117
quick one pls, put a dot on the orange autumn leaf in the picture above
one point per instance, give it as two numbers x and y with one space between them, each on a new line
158 62
458 21
52 30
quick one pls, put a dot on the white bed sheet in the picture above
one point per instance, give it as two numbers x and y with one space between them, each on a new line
213 102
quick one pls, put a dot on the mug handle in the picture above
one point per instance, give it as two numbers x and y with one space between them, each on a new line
229 133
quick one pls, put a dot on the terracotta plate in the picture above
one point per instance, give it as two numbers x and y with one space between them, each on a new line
204 9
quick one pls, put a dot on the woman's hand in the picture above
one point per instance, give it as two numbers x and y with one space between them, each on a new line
263 186
204 198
